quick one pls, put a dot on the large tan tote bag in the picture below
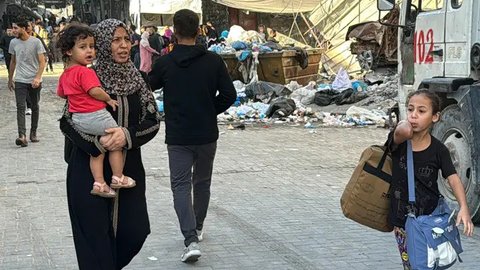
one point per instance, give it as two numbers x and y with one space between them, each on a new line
366 198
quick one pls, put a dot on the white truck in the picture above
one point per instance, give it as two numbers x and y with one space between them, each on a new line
439 49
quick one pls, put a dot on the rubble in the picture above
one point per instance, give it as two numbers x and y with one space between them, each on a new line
377 92
381 94
293 104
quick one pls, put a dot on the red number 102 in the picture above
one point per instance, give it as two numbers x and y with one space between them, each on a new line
420 40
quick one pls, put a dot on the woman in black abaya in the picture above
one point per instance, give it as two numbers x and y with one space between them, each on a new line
109 233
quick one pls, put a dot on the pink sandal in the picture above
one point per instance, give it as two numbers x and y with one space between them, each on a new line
102 190
122 182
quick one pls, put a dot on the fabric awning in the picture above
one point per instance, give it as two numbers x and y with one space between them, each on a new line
271 6
167 6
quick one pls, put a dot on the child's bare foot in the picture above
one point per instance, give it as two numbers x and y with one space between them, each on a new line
102 190
122 182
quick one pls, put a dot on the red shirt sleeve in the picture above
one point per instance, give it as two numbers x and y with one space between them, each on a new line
60 91
88 79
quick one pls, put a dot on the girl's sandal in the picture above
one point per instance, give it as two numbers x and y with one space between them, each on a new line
122 182
102 190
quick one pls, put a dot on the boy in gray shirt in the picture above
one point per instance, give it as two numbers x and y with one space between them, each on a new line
27 64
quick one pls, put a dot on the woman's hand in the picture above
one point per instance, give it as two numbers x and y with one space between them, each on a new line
114 139
464 218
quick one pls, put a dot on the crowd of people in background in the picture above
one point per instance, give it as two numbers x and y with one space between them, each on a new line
148 43
45 31
153 42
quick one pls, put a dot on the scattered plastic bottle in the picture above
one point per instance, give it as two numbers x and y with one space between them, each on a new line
309 125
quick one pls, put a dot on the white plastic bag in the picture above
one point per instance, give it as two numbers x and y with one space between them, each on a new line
342 81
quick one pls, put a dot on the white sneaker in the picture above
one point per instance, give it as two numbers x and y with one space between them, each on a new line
200 235
191 253
28 111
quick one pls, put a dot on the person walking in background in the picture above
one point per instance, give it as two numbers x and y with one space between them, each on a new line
169 39
5 40
30 31
36 26
135 39
146 53
191 76
43 34
167 33
50 55
27 64
109 233
57 52
155 41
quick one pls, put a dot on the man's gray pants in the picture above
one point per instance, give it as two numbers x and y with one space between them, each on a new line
22 90
182 159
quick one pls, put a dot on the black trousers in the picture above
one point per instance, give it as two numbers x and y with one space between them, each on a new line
191 165
24 92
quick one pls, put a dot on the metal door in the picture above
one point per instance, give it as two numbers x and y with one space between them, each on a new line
457 38
429 44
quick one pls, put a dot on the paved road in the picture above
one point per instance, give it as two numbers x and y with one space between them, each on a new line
275 201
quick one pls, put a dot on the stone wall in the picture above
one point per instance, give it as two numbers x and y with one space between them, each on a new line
282 23
215 13
219 16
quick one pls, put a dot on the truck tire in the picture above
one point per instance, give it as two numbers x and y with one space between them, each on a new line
456 132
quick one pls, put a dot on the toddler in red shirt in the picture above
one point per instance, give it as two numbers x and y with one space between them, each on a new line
87 102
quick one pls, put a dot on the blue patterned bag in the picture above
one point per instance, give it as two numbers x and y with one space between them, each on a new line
433 241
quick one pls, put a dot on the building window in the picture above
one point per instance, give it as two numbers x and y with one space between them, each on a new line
432 5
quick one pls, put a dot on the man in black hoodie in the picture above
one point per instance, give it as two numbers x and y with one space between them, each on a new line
191 76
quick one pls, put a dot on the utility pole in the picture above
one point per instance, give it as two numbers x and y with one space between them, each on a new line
102 10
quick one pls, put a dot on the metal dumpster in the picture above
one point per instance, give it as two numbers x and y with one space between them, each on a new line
279 67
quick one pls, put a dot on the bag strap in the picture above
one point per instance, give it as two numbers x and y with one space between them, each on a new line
383 159
410 175
453 241
386 151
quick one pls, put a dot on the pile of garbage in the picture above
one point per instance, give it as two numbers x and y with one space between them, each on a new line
264 102
237 40
383 90
271 103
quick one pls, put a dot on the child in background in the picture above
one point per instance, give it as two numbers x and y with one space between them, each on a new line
261 31
430 155
87 102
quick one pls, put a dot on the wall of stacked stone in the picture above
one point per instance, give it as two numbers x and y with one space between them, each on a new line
217 14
